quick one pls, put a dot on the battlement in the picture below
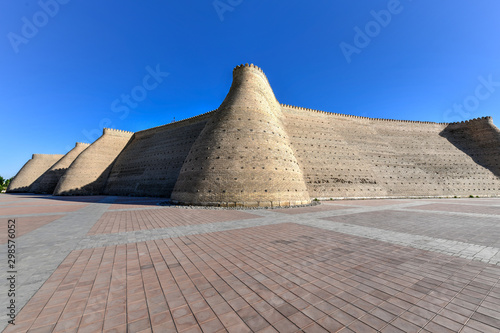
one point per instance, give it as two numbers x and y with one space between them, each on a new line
248 66
239 70
82 144
116 132
475 121
254 151
52 156
359 117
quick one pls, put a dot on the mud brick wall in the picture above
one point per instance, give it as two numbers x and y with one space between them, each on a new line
47 182
31 171
88 173
349 156
151 162
253 151
243 156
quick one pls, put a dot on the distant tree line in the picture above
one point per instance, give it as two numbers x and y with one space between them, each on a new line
4 183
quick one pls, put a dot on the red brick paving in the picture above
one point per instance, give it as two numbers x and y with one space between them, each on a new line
77 198
25 225
127 202
272 278
310 209
13 198
138 199
133 220
38 202
12 210
133 206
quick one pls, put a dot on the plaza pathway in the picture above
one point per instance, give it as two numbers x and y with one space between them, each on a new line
119 264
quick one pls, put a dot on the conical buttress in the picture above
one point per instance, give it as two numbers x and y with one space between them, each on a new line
243 156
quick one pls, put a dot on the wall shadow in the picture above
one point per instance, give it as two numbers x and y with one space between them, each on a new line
481 143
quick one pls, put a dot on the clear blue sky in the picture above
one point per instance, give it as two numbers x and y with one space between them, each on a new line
67 67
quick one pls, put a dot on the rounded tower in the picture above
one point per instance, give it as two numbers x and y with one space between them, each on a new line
243 156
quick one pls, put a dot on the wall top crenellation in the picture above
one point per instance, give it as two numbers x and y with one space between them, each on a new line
116 132
248 66
488 118
81 144
257 69
46 155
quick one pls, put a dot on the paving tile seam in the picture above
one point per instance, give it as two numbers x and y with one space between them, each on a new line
461 249
33 215
41 251
346 211
496 216
264 212
47 205
6 203
465 203
36 279
136 208
464 250
431 319
479 305
173 232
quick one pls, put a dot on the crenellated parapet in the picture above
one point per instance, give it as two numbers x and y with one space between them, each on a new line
471 122
358 117
253 151
116 132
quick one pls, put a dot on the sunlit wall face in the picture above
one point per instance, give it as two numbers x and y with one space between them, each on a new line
70 68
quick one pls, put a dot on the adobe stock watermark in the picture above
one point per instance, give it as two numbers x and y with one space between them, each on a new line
463 111
128 101
223 6
363 37
30 27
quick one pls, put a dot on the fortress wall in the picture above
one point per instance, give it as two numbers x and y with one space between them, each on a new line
349 156
48 181
150 164
479 139
89 171
31 171
243 156
253 151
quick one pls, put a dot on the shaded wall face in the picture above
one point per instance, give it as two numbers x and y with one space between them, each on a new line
47 182
31 171
353 157
479 139
87 175
151 162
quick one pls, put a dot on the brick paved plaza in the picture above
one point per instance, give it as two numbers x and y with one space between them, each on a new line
119 264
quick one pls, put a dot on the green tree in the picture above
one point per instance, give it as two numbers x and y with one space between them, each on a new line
4 183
